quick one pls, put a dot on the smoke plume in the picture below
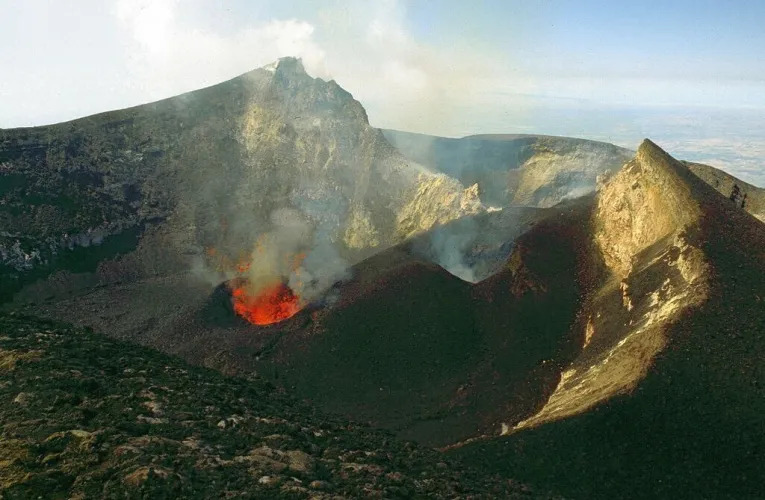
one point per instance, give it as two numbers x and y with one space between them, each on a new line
450 245
296 253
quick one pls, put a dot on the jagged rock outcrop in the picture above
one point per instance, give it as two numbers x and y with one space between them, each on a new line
436 201
642 204
646 223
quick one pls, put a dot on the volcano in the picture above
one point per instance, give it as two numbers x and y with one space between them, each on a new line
618 314
611 345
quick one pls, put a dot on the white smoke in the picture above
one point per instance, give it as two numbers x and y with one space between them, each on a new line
297 253
450 245
577 190
275 253
321 268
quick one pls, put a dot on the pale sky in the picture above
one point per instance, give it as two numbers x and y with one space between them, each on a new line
441 67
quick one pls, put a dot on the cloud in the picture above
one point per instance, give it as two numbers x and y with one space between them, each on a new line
403 82
120 53
168 55
366 47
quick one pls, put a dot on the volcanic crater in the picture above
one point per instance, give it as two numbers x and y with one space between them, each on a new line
620 312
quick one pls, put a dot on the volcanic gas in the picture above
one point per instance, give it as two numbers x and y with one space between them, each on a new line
270 304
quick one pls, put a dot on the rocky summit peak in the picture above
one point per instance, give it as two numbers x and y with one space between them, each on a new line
287 69
649 145
290 65
650 151
647 200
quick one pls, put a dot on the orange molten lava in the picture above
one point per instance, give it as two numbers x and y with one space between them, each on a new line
272 304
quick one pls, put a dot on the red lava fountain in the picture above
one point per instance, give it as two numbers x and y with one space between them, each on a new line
271 304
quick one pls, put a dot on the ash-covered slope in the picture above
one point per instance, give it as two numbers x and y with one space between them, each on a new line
196 179
529 170
84 416
666 396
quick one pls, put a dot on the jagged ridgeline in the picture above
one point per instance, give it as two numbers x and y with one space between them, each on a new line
750 198
196 179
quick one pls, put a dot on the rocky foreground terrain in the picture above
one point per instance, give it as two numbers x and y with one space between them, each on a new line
83 416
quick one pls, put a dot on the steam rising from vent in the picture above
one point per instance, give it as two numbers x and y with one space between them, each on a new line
290 266
450 245
576 189
296 254
277 254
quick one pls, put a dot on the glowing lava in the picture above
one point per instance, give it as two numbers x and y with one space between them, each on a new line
271 304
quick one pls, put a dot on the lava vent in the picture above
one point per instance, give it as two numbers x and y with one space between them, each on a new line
264 305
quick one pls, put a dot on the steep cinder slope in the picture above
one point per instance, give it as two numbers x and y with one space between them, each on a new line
531 170
666 397
84 416
198 178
